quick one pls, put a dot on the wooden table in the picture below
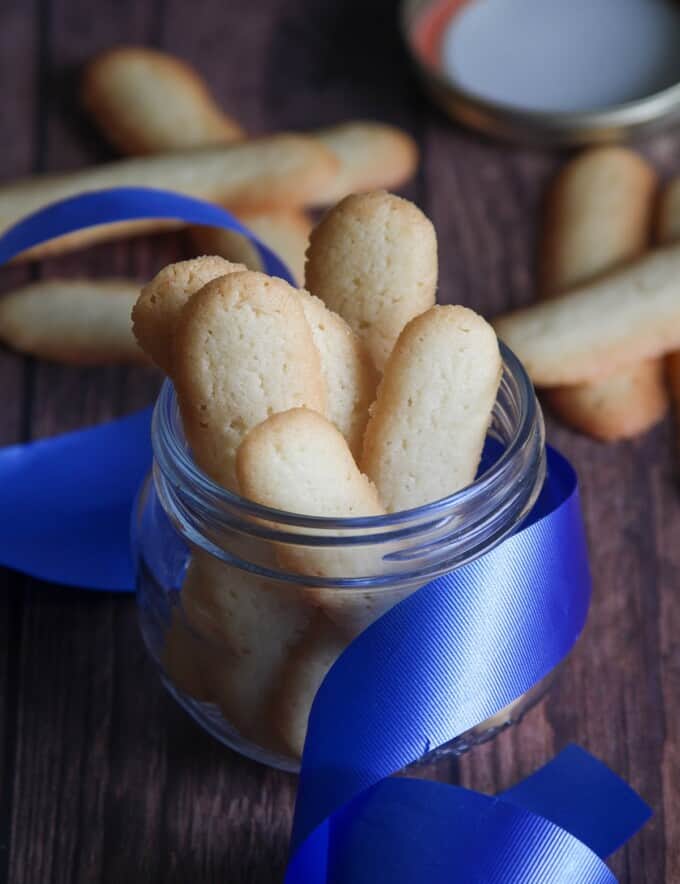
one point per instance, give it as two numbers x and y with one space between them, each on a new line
102 777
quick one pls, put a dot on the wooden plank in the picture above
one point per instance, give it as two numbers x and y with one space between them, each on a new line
18 119
68 714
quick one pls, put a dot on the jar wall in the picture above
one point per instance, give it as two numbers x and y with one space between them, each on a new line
243 640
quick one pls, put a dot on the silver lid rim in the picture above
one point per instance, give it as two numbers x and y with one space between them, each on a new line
616 123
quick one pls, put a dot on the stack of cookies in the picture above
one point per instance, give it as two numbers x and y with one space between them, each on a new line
338 401
611 309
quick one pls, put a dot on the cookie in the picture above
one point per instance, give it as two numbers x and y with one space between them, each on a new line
300 679
591 332
144 100
243 351
160 302
373 260
427 427
598 217
348 371
371 155
285 231
79 321
246 627
298 461
598 409
278 171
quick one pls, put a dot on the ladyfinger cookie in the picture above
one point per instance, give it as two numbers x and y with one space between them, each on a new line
371 156
160 302
300 679
347 368
246 627
285 231
147 102
373 260
243 351
298 461
80 321
599 216
628 316
598 408
278 171
427 427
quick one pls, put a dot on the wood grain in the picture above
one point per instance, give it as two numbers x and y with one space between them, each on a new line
102 777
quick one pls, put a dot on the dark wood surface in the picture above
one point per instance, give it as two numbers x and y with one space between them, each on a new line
102 777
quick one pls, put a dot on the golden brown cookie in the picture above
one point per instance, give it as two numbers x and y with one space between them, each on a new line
160 302
373 260
427 427
86 322
243 351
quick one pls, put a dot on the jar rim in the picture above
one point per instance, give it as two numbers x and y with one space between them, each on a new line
174 460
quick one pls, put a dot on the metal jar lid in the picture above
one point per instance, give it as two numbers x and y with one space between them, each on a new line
422 24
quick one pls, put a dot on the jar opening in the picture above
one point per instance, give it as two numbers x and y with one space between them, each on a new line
420 542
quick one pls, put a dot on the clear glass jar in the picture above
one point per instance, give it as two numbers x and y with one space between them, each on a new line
241 642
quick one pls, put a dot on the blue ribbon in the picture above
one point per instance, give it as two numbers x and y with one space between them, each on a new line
448 657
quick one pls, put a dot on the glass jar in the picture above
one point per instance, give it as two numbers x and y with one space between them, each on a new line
243 643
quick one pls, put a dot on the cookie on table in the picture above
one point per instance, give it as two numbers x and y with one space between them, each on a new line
598 217
620 406
160 302
276 171
143 100
427 427
373 260
243 351
372 155
78 321
591 332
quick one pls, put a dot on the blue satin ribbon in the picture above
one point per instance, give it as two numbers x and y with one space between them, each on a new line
450 656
